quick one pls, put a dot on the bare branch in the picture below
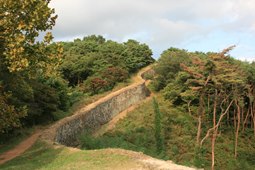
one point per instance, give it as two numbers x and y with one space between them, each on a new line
216 127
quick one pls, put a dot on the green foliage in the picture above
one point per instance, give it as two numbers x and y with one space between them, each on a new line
10 140
45 101
23 60
134 132
21 22
95 57
205 82
10 116
136 55
95 85
157 124
168 66
114 74
61 88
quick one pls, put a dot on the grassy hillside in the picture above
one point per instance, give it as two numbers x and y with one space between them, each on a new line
199 94
136 132
45 157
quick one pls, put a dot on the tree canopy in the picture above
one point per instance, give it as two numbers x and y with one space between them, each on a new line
96 58
212 87
23 58
39 77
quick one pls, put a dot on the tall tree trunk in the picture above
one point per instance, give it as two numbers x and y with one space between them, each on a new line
246 118
199 129
253 116
238 112
213 146
228 120
235 118
215 131
217 125
242 115
208 101
189 108
201 114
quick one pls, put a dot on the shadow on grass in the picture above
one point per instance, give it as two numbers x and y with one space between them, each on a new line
38 156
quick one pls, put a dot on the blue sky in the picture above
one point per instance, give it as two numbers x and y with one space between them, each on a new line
208 25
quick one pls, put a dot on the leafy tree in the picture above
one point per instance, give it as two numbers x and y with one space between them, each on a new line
21 22
220 88
22 57
169 66
10 115
110 61
137 55
95 85
114 74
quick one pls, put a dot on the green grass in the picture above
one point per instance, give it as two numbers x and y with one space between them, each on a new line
136 132
135 135
45 157
30 160
9 141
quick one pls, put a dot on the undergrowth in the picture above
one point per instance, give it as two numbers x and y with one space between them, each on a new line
136 132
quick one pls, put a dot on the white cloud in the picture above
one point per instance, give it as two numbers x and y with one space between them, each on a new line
161 23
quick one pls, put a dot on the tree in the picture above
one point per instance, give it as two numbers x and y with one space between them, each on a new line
220 80
21 22
22 56
137 55
219 88
169 66
10 116
93 56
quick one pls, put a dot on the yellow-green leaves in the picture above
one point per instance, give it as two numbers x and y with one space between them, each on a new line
8 113
21 22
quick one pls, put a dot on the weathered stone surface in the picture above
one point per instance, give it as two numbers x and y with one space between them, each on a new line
93 116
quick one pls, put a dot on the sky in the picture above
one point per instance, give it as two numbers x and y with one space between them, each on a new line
206 25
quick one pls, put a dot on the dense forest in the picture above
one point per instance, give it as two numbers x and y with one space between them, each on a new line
88 66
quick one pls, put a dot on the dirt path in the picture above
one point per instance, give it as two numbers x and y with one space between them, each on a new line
142 162
147 162
27 143
20 148
112 123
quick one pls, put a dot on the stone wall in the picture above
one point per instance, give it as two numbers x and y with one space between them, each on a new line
93 116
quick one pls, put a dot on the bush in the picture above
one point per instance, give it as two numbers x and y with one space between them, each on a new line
114 74
95 85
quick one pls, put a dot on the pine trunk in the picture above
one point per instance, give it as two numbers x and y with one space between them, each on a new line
253 115
199 129
246 118
237 127
214 131
189 108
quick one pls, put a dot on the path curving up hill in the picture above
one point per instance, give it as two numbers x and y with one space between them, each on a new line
27 143
139 160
